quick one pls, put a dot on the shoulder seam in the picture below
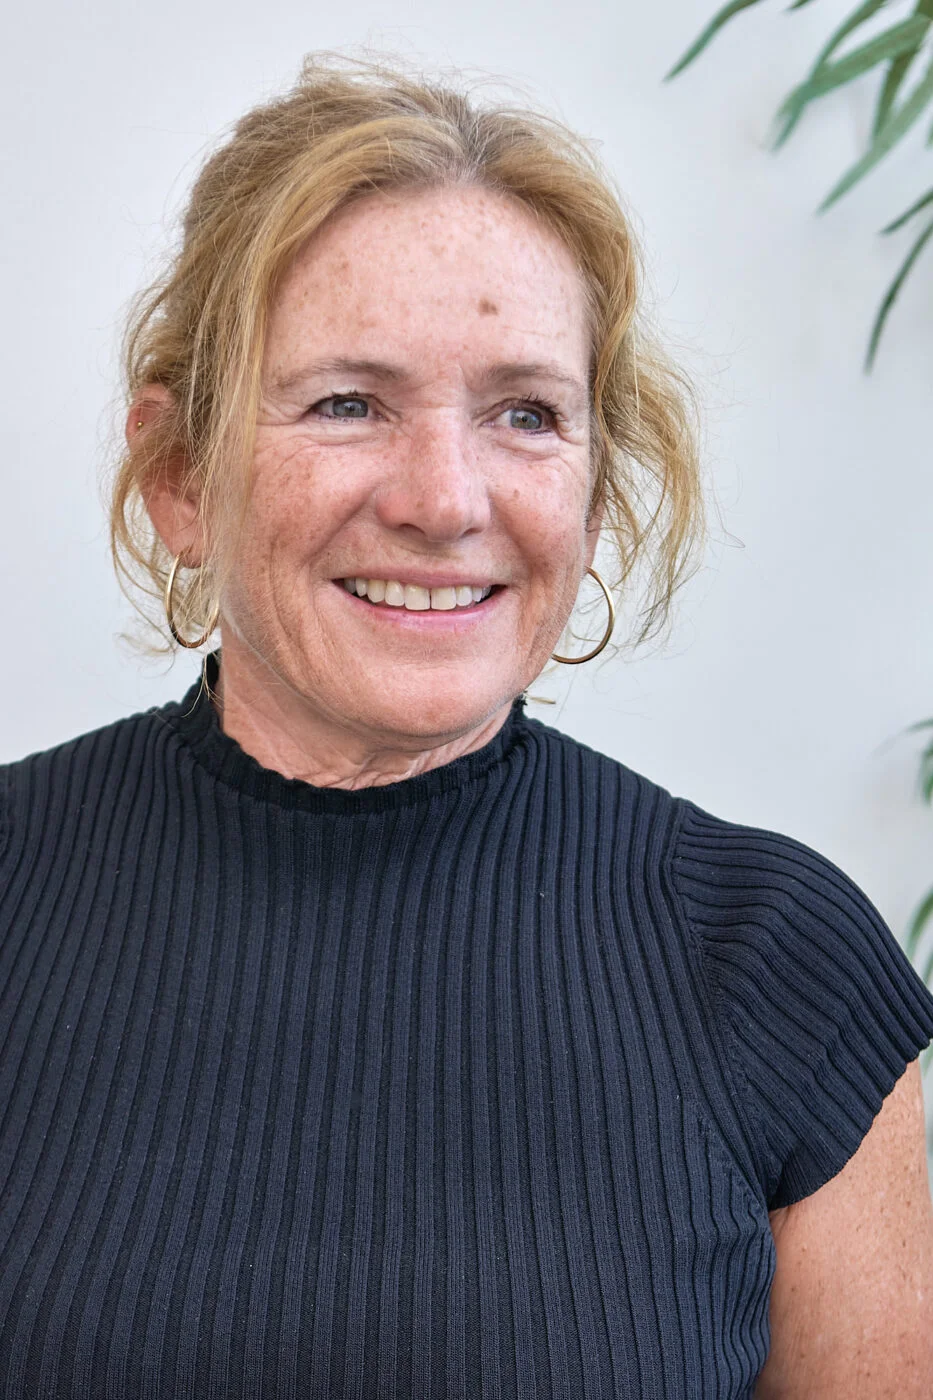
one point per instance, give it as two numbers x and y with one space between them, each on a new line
741 1092
714 1143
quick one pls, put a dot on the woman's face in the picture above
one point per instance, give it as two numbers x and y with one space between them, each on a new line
399 442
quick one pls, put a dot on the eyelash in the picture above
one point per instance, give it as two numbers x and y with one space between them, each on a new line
528 399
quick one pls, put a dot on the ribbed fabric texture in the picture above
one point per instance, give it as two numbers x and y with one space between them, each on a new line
478 1084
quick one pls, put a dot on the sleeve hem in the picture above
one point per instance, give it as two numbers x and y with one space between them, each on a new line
798 1180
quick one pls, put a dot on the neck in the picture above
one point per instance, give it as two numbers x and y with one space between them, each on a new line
287 733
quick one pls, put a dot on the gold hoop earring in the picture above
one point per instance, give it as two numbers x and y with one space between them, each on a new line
170 611
576 660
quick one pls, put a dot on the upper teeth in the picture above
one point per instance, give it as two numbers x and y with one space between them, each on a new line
415 598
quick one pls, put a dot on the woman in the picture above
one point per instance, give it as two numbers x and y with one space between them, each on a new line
364 1036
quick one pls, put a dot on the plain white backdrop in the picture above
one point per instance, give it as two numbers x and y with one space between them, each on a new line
801 650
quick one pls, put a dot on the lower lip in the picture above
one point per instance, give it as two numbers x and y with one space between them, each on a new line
448 622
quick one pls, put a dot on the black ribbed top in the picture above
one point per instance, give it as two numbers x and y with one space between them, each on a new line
477 1084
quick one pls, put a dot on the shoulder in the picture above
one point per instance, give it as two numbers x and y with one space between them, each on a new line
747 886
822 1007
735 881
47 789
779 921
592 776
758 898
724 873
84 750
751 897
811 1001
715 864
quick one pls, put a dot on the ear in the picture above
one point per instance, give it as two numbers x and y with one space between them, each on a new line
170 496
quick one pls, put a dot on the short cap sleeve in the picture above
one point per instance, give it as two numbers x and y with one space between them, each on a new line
821 1006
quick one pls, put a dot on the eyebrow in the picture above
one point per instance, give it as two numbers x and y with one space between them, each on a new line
497 375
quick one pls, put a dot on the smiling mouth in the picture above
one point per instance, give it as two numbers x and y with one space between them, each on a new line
411 597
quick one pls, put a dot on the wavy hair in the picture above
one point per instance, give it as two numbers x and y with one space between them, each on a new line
349 127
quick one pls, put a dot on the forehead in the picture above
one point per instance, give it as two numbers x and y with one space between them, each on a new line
445 272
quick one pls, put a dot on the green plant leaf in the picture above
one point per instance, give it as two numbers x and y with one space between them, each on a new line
901 37
890 87
917 924
896 73
896 126
889 299
926 972
902 219
715 24
859 16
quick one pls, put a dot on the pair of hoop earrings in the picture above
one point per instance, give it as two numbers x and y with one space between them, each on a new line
183 642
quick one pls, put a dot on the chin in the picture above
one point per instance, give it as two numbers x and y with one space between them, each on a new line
433 709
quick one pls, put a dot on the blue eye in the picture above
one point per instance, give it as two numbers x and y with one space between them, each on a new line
536 408
529 412
342 399
355 408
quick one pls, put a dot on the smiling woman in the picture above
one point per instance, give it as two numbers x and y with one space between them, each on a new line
561 277
361 1035
433 468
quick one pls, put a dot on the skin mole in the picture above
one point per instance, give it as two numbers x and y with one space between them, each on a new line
487 307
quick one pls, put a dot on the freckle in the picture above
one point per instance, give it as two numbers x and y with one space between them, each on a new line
488 308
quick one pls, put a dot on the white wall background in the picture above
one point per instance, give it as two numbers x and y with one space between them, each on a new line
802 650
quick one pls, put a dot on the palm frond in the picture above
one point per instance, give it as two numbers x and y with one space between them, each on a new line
711 30
895 50
859 16
897 223
897 72
825 77
890 297
896 125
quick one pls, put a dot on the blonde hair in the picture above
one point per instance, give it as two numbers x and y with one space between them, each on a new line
348 127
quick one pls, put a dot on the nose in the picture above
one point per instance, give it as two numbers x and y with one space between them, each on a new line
435 484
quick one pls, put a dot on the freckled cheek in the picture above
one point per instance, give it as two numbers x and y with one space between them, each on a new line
293 512
548 527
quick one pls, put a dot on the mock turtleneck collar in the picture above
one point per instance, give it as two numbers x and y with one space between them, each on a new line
196 719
